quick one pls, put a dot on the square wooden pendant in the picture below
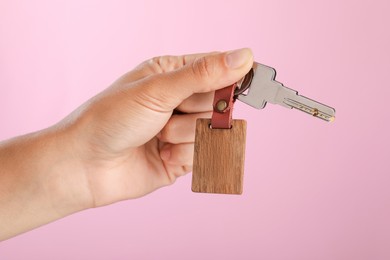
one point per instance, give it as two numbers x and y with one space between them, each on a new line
219 158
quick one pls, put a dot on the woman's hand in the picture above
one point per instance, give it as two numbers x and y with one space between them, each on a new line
127 141
138 135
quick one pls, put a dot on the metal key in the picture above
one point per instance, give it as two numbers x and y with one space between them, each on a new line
262 88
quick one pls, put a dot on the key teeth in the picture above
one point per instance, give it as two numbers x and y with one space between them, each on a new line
310 107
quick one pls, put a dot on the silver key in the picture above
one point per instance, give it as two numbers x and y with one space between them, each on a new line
262 89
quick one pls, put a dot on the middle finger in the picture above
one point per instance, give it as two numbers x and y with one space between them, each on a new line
181 128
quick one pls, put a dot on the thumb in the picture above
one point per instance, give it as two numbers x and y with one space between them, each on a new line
203 74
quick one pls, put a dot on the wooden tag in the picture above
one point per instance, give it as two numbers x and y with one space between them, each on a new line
219 158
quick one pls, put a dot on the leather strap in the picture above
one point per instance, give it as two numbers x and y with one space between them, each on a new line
223 108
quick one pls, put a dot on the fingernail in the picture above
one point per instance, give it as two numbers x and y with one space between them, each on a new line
237 58
165 154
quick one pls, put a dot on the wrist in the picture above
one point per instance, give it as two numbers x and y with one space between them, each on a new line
41 180
63 171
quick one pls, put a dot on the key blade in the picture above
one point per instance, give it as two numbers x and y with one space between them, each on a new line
311 107
289 98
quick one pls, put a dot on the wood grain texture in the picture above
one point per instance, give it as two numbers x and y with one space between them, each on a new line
219 158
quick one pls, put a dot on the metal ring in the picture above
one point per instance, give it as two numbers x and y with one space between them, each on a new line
246 83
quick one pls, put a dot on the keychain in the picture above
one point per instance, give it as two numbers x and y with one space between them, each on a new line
219 154
220 148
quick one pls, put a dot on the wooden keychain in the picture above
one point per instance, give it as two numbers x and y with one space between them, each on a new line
220 148
220 142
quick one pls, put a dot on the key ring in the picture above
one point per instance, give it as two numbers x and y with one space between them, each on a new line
244 83
224 100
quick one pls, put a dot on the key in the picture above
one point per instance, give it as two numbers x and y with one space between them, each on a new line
263 88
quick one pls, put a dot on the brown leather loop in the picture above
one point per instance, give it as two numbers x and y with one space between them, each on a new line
222 116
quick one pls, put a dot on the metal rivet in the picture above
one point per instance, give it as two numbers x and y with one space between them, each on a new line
221 106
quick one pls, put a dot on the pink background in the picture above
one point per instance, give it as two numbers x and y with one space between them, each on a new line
312 190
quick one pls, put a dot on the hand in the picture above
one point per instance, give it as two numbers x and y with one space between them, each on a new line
129 137
124 143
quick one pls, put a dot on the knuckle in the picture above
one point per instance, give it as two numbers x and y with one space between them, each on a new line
153 61
168 63
168 132
161 64
203 68
153 64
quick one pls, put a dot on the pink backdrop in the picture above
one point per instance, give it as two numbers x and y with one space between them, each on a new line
312 190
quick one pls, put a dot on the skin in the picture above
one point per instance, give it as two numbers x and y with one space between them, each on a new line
129 140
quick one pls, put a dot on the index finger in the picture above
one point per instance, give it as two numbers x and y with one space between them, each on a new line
160 64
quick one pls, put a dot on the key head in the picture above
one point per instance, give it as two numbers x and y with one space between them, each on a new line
263 86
